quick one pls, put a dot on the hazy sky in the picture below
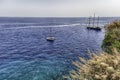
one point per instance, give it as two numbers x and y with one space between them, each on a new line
59 8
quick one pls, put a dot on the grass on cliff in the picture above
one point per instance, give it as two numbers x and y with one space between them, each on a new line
100 67
112 37
113 25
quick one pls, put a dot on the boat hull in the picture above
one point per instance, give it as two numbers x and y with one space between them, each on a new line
50 38
94 28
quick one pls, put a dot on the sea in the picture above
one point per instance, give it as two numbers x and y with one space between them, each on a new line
25 54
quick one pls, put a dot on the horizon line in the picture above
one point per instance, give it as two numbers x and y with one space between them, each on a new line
51 16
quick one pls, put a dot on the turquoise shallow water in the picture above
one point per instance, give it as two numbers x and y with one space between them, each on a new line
26 55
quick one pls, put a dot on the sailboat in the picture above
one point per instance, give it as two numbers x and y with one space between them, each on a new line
50 38
93 27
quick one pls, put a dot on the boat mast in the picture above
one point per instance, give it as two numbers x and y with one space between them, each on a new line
98 22
50 31
89 21
94 20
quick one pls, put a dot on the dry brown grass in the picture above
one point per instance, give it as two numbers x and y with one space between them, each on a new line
113 25
100 67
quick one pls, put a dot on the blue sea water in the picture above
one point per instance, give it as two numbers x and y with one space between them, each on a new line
26 55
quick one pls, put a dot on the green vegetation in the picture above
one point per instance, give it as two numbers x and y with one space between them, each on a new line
100 67
112 37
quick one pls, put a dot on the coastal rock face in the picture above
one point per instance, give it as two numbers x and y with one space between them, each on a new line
112 37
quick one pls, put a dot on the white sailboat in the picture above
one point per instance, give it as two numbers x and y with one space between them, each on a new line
51 37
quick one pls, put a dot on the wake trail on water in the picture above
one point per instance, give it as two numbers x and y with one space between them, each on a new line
27 26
